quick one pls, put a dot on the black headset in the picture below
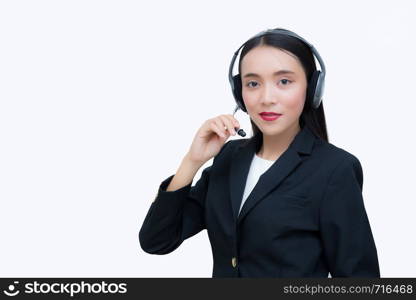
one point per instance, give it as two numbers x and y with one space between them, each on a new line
315 85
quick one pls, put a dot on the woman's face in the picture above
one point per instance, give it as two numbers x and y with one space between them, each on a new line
264 90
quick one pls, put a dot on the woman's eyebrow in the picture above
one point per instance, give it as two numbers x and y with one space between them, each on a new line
275 73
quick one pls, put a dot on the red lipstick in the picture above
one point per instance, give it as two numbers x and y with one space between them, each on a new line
269 116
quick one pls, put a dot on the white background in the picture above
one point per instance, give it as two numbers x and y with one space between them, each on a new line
100 100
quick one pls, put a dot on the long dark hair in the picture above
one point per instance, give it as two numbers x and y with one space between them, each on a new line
314 119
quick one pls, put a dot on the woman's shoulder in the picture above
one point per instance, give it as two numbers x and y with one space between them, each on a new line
333 154
327 153
229 146
321 148
226 151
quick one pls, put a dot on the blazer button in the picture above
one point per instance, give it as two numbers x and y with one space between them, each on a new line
234 262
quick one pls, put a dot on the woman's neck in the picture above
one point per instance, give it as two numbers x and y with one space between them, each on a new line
274 145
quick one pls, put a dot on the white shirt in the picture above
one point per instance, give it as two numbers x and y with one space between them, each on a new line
257 168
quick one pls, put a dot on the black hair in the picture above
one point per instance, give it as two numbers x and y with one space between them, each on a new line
314 119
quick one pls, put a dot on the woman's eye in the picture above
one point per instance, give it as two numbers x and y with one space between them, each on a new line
248 84
285 81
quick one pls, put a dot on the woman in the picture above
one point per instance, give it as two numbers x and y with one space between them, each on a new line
283 203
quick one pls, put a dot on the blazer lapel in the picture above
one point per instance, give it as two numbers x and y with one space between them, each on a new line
283 166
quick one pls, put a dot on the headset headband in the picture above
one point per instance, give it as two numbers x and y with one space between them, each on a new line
277 31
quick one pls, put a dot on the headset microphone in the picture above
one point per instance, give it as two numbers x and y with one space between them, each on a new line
240 131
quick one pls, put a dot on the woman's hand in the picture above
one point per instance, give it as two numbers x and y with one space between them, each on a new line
210 138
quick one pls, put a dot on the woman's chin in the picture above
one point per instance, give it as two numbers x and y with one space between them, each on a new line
271 132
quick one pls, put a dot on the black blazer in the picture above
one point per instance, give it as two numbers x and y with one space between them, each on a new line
304 218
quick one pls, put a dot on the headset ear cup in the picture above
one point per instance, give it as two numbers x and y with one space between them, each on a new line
237 92
311 90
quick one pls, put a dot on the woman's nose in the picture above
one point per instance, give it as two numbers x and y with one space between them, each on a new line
268 96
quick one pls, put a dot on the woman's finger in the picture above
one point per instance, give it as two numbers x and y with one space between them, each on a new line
228 123
217 129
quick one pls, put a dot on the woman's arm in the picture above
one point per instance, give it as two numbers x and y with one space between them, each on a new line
177 212
184 175
345 230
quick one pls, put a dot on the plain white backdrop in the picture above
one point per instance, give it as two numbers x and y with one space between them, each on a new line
100 101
